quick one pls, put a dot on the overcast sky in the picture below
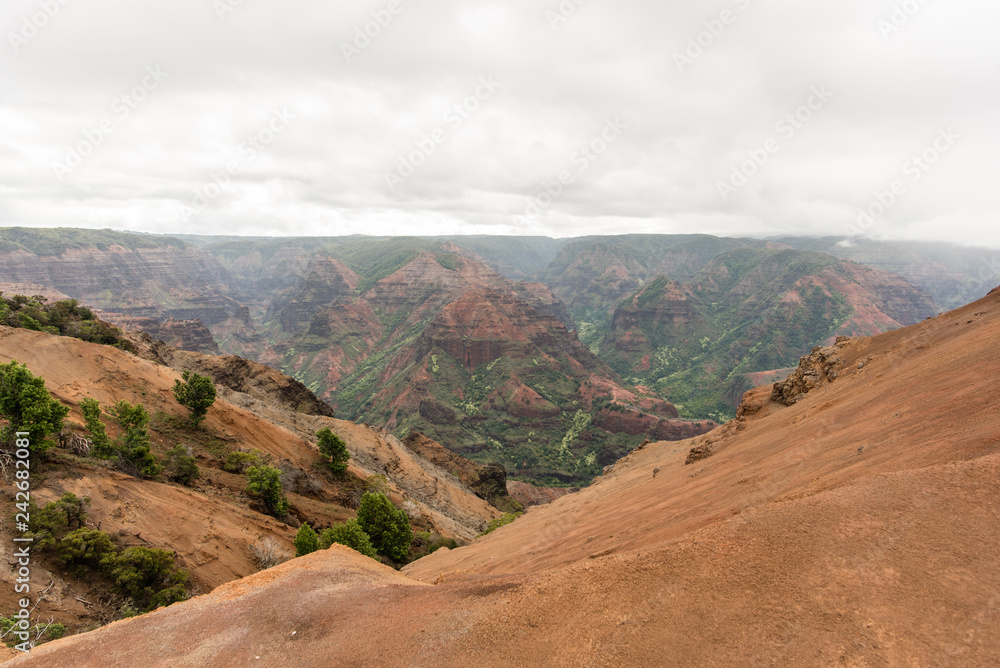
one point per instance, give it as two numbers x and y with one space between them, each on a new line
738 117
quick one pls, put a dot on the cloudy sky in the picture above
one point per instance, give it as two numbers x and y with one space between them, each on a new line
748 117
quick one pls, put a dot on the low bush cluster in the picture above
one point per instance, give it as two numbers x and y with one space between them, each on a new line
145 575
350 534
62 318
132 446
239 461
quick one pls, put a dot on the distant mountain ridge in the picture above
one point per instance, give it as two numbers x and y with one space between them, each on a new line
361 320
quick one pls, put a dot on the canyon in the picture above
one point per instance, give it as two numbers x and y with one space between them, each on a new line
855 526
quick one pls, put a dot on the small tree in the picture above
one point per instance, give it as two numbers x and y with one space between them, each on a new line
50 522
28 407
87 549
181 466
350 534
264 483
91 410
148 576
333 449
133 444
197 392
387 527
239 462
306 541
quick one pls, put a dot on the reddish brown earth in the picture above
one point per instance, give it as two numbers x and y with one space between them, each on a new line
788 546
211 525
530 495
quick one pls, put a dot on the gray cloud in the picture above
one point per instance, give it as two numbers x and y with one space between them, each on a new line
691 115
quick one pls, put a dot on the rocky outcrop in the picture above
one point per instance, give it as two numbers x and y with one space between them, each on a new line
815 369
326 281
543 300
256 381
484 325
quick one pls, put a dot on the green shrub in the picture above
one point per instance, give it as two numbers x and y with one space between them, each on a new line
377 484
133 444
48 524
28 407
97 331
87 548
498 522
334 450
427 542
66 318
350 534
51 631
181 466
55 630
197 392
306 541
264 483
239 462
387 528
27 322
148 577
98 434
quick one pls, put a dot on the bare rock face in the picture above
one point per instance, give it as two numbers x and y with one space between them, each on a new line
325 281
483 325
815 369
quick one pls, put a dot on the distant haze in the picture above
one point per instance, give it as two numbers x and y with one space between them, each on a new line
736 117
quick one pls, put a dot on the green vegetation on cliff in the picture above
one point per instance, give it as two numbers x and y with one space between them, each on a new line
53 242
748 310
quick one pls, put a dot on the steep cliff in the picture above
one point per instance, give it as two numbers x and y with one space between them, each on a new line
745 312
129 276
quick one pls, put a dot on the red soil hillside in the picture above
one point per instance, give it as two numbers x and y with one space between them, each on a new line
857 527
212 525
